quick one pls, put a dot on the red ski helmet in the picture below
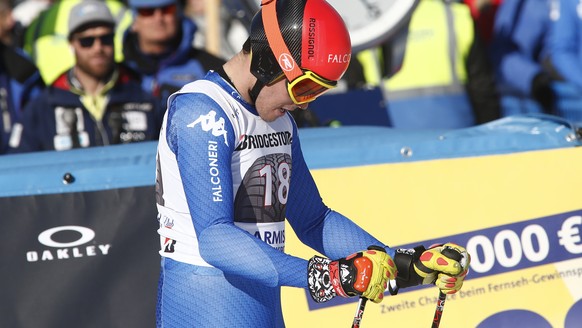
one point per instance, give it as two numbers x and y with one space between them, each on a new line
310 31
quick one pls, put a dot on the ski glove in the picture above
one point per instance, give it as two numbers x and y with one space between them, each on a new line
363 274
443 265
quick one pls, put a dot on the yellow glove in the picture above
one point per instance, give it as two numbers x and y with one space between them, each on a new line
443 265
451 285
364 273
383 269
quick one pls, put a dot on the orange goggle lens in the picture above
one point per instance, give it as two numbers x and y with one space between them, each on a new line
308 86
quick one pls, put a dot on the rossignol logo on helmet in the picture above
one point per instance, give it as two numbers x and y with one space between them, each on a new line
311 39
286 62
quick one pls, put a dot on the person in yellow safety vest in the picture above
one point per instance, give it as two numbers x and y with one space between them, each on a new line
445 80
46 40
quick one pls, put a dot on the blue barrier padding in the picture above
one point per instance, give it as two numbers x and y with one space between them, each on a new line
353 146
98 168
133 165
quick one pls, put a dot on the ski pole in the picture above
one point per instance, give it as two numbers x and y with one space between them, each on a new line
438 313
362 302
359 312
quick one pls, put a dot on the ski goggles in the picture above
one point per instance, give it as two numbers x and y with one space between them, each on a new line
306 87
303 85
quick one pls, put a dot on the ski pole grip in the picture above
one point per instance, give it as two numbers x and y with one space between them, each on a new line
452 254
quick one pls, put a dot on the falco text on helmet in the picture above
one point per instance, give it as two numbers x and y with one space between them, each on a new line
338 59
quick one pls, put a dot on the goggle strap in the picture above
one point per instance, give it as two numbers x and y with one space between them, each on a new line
275 39
254 92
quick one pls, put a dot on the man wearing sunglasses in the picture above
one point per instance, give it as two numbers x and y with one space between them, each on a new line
45 38
230 171
97 102
159 45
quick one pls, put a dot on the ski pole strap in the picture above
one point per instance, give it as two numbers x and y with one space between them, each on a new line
404 260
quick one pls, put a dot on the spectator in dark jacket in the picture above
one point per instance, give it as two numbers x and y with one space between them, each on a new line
519 53
19 77
19 82
97 102
159 45
565 42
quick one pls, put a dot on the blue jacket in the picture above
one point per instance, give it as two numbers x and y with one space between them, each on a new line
58 120
165 74
19 82
565 42
518 47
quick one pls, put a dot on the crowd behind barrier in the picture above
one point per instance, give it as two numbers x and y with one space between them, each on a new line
465 63
445 80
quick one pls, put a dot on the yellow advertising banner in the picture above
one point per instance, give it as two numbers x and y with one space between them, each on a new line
519 215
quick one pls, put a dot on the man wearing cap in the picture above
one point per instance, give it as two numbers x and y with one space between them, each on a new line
159 45
97 102
45 38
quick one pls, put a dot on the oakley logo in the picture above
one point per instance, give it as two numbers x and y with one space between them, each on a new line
46 237
286 62
78 244
208 122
